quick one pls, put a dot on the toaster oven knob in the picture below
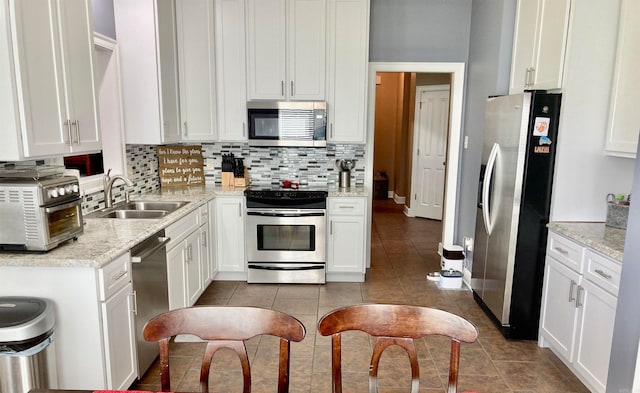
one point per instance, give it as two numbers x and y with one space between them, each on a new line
53 193
74 188
61 190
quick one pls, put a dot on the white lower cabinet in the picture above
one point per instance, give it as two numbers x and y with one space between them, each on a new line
184 261
346 242
94 332
578 308
229 225
118 327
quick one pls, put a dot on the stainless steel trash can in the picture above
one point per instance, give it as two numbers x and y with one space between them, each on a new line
27 352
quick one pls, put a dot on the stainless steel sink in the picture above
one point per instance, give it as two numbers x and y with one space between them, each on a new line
139 209
120 213
167 206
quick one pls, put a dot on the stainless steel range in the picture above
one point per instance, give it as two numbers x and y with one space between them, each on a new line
286 235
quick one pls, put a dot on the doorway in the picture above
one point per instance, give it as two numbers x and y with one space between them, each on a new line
456 72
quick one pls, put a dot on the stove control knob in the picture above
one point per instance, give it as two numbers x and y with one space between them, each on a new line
61 191
53 193
68 189
74 188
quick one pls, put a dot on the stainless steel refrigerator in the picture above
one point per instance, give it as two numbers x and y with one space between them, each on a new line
514 198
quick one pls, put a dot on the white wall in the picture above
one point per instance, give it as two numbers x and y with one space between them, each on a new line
583 174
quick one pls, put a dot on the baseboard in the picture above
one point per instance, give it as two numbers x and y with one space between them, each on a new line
408 212
399 200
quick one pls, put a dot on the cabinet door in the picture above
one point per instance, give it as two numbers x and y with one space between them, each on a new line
213 266
559 314
306 49
168 68
193 268
624 118
348 40
266 42
55 75
345 246
523 44
594 334
176 258
230 236
77 44
553 26
196 66
231 70
119 339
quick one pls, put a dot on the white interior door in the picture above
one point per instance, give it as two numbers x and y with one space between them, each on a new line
431 127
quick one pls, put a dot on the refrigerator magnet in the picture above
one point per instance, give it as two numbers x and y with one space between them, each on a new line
541 126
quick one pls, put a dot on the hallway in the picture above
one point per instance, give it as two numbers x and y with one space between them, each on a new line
403 251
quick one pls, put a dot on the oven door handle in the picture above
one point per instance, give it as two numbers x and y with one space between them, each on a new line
57 208
310 267
285 214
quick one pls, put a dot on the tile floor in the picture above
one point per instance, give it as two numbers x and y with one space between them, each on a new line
403 251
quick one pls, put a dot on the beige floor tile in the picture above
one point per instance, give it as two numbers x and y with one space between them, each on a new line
403 251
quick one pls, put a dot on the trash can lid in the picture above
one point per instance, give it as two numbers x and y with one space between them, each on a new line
23 318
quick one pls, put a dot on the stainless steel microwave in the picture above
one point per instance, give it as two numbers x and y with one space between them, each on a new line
284 123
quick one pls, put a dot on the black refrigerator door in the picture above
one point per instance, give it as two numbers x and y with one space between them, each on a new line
534 216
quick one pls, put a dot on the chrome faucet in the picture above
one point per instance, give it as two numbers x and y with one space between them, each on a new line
107 182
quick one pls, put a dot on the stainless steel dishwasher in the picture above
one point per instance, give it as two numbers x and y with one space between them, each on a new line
151 292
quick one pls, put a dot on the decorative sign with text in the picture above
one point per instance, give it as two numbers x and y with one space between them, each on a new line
180 166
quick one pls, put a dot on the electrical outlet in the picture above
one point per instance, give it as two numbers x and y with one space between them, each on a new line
152 166
210 163
468 243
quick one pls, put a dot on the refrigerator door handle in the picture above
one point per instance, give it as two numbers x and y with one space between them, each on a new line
486 187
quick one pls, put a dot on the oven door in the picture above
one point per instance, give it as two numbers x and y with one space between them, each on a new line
62 221
286 235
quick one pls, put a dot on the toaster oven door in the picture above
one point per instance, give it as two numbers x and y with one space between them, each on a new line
63 221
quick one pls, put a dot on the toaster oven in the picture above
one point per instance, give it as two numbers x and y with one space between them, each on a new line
39 214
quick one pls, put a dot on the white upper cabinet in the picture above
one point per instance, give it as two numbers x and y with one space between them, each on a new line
286 49
348 53
196 69
48 95
624 117
540 40
231 70
146 35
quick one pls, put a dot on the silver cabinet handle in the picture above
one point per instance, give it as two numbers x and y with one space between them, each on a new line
346 207
204 239
603 274
77 124
244 129
331 228
134 298
282 88
571 286
533 76
331 133
68 124
240 211
291 88
186 128
562 251
579 293
118 275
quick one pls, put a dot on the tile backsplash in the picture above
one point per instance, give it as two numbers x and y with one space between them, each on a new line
267 166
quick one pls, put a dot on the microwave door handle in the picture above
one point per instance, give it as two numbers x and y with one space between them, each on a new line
57 208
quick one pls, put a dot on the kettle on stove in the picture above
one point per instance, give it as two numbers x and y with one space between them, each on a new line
345 167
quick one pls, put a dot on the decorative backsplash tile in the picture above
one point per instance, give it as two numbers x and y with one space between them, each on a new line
142 170
267 166
312 166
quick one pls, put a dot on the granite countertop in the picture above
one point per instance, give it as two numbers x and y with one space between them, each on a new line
107 238
596 235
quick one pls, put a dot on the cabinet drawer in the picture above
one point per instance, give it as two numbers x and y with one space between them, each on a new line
602 271
181 228
115 275
565 251
203 214
346 206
